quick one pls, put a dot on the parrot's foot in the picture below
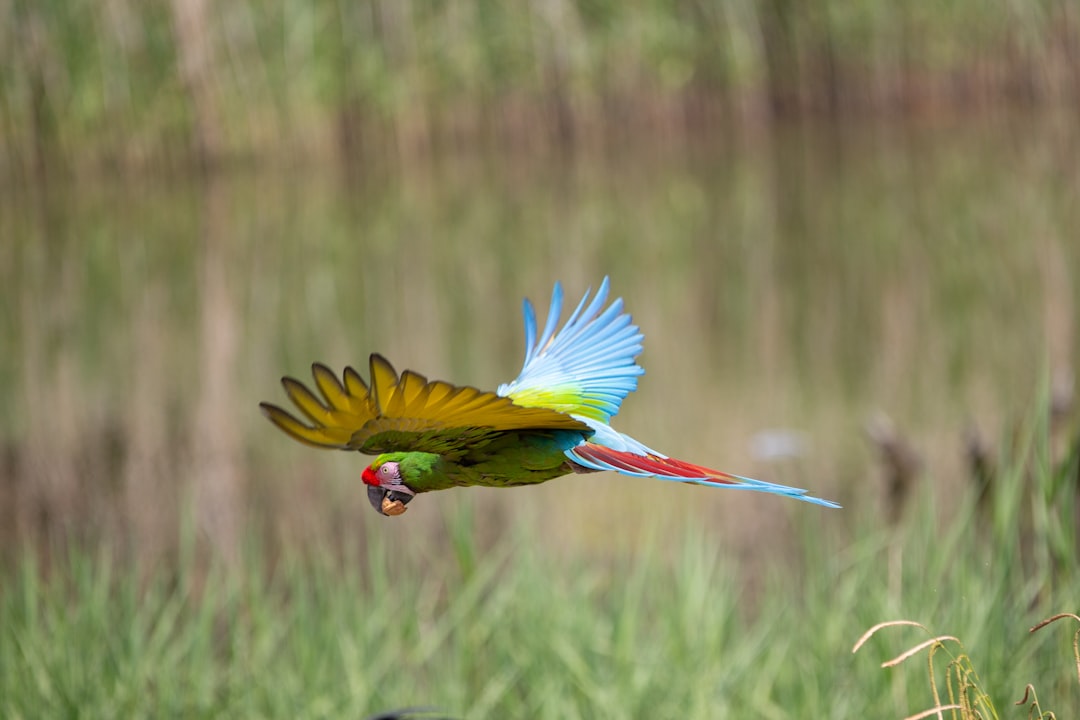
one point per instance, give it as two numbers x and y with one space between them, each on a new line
392 507
389 501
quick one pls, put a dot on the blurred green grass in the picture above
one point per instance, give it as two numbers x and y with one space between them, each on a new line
517 627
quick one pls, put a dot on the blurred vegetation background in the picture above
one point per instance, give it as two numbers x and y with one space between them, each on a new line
847 230
119 82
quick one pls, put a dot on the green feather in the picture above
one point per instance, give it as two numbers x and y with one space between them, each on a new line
508 459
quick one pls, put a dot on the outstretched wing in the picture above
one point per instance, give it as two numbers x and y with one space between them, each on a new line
585 369
407 413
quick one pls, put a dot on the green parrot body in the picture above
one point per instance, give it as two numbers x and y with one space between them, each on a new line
514 458
553 419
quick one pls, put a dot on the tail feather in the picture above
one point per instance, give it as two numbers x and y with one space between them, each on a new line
600 457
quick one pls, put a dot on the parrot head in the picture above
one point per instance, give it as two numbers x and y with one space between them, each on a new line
386 491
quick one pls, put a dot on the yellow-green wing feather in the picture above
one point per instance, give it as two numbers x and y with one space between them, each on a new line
402 413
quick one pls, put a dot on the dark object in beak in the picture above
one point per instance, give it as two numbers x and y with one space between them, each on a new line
388 502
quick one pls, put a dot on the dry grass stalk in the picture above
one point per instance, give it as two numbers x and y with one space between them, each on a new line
962 682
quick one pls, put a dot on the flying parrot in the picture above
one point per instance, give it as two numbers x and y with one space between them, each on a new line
552 420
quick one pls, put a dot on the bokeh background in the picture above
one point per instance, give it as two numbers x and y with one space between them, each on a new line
849 231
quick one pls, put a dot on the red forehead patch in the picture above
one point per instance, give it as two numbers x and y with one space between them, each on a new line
368 476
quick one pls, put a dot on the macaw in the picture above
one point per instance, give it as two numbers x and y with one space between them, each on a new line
552 420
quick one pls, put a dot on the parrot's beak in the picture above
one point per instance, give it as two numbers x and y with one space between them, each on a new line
388 502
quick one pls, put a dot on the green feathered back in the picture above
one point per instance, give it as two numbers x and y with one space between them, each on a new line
508 459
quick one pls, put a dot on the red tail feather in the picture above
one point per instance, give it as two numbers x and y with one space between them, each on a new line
651 464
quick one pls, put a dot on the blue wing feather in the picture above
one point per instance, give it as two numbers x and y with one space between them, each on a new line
588 367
